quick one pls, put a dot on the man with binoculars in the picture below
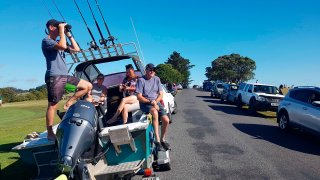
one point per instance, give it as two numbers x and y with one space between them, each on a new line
56 75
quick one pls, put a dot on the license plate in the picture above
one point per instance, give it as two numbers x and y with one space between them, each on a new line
274 104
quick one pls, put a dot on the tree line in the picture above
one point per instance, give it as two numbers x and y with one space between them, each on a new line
11 94
175 70
231 68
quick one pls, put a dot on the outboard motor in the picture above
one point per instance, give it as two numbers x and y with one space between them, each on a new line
75 135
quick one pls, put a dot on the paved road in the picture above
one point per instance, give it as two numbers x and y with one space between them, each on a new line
211 140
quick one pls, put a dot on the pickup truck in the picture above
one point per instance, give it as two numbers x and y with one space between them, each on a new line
260 97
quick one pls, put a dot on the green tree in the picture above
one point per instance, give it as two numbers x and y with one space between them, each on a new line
168 74
231 68
182 65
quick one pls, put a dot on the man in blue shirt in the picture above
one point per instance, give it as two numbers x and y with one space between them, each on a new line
149 94
57 74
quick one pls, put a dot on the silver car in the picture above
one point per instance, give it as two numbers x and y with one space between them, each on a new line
300 108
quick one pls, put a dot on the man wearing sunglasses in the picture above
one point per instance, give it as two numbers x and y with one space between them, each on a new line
149 94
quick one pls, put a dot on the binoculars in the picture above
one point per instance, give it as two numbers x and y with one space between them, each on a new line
67 27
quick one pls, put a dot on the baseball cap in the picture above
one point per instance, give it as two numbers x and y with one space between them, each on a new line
53 22
151 67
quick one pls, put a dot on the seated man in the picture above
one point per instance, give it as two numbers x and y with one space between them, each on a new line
149 93
98 94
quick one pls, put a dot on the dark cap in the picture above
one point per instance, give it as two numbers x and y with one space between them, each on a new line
100 76
129 66
151 66
53 22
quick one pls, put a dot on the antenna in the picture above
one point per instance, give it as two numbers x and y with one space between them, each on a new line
135 33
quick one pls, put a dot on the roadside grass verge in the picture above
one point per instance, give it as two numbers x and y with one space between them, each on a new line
16 121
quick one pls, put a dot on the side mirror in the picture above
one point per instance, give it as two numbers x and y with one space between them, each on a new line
250 91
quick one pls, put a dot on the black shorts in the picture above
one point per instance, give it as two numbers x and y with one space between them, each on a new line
56 86
146 108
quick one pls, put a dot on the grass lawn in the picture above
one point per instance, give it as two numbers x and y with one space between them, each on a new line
16 121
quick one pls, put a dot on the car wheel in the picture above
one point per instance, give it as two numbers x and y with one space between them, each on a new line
283 121
251 108
175 110
169 114
239 103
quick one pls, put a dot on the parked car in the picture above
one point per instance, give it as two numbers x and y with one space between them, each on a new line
300 108
179 87
195 86
168 102
258 97
207 86
217 90
229 92
171 87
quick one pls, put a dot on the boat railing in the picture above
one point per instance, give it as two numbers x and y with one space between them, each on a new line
101 52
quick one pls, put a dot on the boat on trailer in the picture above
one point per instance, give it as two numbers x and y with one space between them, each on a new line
86 148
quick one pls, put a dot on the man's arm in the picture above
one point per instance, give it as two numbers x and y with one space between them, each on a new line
62 44
160 95
74 45
143 99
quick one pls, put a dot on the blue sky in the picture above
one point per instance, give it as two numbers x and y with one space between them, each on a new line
282 36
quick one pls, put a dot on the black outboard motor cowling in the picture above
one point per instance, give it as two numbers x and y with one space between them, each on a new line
75 134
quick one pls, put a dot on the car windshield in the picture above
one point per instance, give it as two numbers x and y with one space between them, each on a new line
266 89
219 86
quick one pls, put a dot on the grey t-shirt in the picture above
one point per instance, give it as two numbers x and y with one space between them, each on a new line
149 88
56 64
97 91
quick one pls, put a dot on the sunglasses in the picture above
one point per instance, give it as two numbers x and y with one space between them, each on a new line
151 69
100 78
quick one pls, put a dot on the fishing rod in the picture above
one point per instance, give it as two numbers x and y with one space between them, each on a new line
68 27
93 43
103 40
111 38
45 6
73 58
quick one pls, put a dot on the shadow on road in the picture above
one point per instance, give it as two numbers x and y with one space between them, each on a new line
294 140
232 109
206 97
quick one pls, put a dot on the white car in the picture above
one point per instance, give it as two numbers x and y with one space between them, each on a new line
168 102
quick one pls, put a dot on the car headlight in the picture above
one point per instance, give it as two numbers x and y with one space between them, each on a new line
261 98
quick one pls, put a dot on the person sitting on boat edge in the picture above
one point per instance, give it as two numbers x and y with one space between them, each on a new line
98 94
129 101
56 75
149 93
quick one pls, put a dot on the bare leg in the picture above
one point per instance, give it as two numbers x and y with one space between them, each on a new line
165 125
125 114
83 88
155 123
124 101
52 107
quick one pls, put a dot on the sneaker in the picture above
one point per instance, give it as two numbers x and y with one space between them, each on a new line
165 145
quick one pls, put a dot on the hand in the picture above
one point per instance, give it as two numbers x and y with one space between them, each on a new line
61 28
157 107
153 102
